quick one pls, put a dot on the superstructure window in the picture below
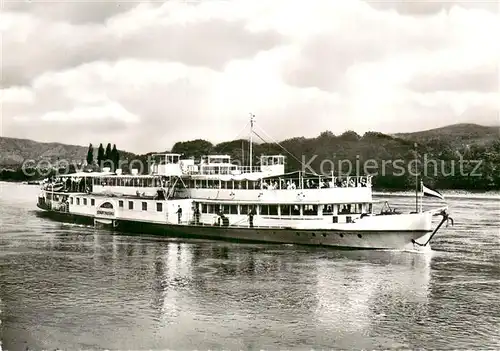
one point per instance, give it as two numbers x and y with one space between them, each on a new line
159 207
144 206
327 210
120 203
264 210
271 210
130 205
85 202
345 209
244 209
310 210
92 202
286 210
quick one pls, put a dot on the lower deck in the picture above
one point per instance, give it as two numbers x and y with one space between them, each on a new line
189 212
206 212
401 240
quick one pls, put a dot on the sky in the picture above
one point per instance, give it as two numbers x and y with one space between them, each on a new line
144 75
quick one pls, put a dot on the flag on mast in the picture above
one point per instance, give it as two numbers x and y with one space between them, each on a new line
431 192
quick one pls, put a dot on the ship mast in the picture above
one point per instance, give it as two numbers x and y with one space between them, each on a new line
252 116
416 178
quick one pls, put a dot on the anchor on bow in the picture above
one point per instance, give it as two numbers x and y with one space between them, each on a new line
446 218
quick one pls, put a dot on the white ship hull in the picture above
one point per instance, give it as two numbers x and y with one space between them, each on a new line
396 240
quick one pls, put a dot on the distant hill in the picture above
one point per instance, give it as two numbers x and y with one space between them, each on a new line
14 151
450 147
456 135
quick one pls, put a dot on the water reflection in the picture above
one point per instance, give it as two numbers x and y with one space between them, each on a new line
143 292
356 294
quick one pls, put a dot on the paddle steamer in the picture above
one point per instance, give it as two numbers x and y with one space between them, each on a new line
217 199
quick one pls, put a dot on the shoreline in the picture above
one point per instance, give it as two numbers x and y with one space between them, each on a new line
447 193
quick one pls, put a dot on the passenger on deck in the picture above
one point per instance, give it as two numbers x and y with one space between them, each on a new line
251 213
179 214
196 215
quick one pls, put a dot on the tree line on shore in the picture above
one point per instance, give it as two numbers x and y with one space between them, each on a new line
109 157
441 162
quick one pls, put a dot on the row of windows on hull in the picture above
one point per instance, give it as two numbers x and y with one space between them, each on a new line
84 202
286 210
270 210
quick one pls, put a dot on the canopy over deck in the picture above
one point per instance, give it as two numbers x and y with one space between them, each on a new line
87 174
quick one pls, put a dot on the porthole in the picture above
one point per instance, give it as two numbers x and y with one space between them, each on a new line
341 235
313 234
324 235
360 236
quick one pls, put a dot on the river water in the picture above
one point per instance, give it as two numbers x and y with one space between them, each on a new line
70 287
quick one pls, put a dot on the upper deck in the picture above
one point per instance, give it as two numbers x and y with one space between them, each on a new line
216 178
213 166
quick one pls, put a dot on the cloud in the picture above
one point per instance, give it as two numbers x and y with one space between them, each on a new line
152 74
83 12
456 40
429 7
33 45
422 111
483 78
156 104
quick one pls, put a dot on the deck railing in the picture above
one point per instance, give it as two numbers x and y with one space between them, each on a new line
223 169
281 183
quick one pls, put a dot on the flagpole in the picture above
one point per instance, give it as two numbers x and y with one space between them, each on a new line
252 117
416 178
421 194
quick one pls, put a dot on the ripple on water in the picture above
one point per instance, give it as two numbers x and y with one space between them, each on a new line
145 292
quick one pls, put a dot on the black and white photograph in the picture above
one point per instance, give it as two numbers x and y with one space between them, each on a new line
249 175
